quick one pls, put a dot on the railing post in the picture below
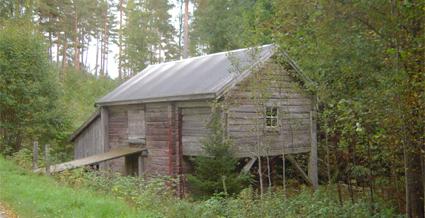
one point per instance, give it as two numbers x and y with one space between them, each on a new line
46 158
35 155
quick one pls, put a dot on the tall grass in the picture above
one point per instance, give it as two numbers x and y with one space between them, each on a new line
31 195
82 194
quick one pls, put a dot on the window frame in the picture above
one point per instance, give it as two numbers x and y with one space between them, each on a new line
272 114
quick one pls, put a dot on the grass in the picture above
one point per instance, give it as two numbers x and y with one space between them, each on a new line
32 195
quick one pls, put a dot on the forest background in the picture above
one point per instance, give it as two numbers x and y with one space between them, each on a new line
364 59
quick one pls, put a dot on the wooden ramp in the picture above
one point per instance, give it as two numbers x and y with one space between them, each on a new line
94 159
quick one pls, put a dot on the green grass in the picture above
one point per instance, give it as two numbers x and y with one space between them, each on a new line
32 195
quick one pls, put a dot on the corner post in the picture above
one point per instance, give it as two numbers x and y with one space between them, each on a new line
104 131
312 166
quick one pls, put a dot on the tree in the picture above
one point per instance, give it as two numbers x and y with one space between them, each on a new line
218 25
216 171
28 88
147 35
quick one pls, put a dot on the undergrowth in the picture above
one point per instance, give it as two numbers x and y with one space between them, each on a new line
157 196
78 193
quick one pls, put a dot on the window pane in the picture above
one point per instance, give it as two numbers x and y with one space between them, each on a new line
274 122
268 121
268 111
274 111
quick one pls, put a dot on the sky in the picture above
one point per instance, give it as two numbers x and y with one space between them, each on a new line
112 58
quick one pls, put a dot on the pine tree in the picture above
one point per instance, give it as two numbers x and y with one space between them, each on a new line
216 171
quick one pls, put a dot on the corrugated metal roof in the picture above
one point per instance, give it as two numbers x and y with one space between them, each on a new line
192 78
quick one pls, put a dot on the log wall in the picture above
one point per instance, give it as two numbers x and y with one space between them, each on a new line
246 122
157 136
118 135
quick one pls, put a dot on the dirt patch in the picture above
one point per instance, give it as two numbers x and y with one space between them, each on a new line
6 212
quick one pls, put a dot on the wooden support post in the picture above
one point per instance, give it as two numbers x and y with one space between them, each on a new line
312 166
284 174
104 131
171 139
35 155
140 165
46 158
181 185
248 165
298 167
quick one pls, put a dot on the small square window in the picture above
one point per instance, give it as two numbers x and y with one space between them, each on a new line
271 117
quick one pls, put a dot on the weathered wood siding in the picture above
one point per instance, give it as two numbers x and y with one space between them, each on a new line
246 121
194 129
125 122
157 139
89 141
118 135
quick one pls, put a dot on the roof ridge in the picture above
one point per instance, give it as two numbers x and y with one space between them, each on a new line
208 55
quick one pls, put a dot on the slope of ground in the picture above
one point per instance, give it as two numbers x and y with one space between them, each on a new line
31 195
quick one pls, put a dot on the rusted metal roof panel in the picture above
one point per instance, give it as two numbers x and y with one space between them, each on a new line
192 78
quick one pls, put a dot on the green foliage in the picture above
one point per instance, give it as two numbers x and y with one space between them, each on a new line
145 195
216 172
34 104
97 194
28 89
147 31
80 92
321 203
218 24
23 158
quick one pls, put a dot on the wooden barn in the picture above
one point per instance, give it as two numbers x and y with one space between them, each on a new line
155 121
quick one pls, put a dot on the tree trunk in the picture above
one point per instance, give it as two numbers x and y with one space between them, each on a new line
120 74
181 26
414 181
50 47
410 39
76 42
58 45
186 29
97 57
64 55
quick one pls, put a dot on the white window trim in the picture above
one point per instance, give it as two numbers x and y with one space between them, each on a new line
273 127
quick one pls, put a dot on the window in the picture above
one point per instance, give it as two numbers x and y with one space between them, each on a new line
271 117
136 126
